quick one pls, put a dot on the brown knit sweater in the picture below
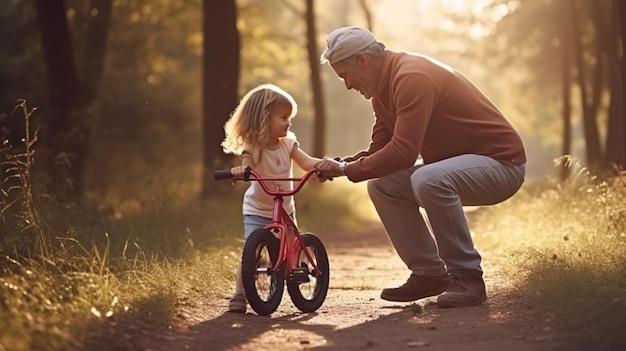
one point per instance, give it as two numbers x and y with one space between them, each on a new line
424 107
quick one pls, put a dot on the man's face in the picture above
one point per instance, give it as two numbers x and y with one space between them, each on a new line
355 74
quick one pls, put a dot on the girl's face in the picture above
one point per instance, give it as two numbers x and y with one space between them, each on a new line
279 121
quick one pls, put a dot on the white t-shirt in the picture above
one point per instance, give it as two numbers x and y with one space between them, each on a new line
277 163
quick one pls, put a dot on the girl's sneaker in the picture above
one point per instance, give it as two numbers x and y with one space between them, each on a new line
237 303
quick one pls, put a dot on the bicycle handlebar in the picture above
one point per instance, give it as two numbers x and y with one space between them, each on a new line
222 174
252 175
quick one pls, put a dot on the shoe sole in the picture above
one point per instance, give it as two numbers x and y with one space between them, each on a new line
448 304
394 298
237 305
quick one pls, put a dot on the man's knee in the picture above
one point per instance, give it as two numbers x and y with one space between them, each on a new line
373 188
428 184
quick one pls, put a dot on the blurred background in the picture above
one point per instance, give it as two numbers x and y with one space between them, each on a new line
132 95
111 119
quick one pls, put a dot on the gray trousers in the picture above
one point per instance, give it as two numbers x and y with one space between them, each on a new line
441 189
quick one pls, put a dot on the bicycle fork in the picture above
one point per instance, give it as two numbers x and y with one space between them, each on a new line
295 271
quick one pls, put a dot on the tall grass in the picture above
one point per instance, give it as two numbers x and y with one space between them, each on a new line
69 277
17 205
565 244
86 277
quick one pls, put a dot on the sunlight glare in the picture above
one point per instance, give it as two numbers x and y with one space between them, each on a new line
500 317
478 31
484 12
499 12
457 5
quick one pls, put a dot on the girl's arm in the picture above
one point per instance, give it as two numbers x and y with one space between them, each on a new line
303 160
246 160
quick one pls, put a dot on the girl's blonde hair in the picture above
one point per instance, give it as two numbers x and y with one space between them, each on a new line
248 124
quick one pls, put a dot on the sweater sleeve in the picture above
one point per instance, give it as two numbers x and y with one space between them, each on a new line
413 97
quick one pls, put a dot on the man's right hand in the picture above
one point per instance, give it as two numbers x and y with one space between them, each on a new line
329 167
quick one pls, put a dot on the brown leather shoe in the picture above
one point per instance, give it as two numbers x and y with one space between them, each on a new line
467 289
417 287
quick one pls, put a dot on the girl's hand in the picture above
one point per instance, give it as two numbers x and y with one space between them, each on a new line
321 177
237 172
329 167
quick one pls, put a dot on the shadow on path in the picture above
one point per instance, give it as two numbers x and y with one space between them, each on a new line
353 316
366 323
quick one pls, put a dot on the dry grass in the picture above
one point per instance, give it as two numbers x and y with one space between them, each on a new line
565 246
132 258
125 261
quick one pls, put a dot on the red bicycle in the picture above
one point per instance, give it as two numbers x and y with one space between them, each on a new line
279 254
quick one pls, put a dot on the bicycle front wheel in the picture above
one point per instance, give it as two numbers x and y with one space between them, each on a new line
309 294
263 286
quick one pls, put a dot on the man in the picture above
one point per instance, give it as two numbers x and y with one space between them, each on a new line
471 156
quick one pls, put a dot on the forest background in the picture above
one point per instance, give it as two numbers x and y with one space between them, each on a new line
111 115
126 89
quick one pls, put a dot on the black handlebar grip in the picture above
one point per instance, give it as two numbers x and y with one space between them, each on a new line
223 174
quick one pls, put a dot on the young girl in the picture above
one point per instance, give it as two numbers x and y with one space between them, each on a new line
258 130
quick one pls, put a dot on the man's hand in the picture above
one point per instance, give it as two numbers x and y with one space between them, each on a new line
329 168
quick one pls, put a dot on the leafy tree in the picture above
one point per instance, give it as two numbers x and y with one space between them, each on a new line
550 34
141 61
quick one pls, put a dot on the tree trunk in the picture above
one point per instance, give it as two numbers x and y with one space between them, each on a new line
615 150
62 146
319 129
60 66
590 127
95 47
567 104
220 83
621 14
622 20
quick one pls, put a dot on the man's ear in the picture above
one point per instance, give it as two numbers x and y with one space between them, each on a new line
361 58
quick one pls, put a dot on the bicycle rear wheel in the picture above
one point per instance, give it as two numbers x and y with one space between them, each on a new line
310 294
263 287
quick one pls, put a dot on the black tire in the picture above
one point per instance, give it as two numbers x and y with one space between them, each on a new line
309 296
263 287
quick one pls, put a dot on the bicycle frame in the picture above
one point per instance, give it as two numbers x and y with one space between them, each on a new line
281 221
281 264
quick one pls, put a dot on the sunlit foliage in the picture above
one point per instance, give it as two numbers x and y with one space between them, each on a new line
143 231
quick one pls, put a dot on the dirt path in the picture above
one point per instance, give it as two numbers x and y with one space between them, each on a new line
353 316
